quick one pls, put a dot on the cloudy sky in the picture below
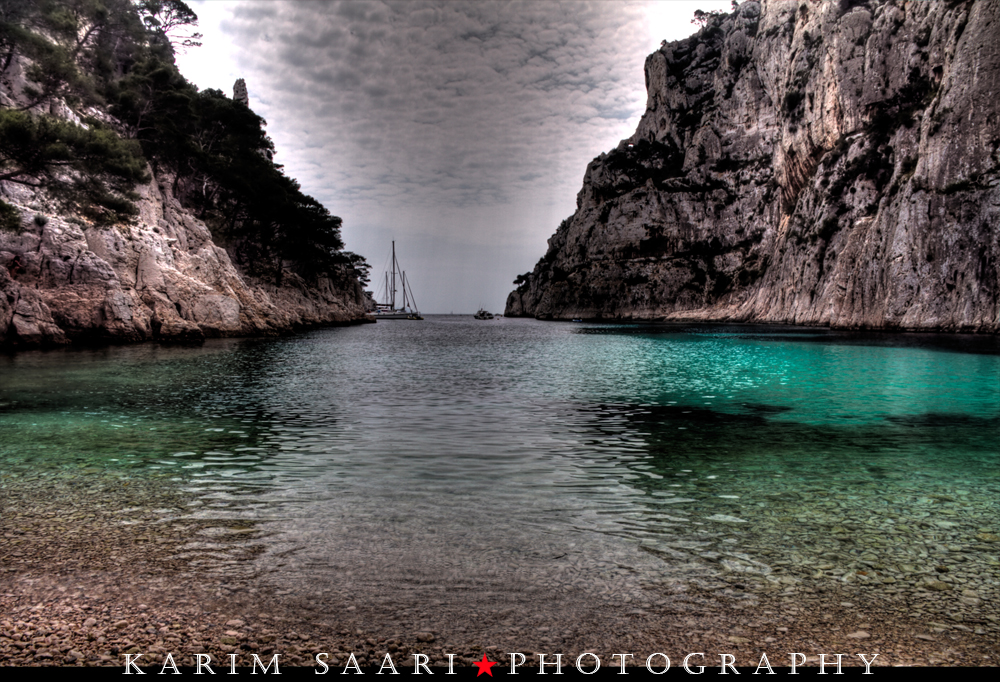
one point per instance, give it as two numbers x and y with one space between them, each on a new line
461 130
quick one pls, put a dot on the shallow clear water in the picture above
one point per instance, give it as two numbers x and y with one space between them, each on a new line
431 460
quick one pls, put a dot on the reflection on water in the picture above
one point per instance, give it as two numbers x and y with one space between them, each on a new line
450 459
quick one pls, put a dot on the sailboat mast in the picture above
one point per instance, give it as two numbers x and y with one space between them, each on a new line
393 274
413 301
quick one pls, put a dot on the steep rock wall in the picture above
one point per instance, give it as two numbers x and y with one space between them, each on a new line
162 278
819 163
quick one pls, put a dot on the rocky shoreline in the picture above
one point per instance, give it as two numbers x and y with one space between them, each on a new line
95 567
65 281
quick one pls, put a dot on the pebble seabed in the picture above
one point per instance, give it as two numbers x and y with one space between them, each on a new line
81 587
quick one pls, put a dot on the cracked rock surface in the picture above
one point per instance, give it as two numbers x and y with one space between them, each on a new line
821 163
63 280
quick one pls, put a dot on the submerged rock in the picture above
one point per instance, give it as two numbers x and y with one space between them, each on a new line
825 163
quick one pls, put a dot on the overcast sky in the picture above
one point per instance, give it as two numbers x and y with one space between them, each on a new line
461 130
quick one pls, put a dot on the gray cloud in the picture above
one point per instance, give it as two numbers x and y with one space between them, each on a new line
461 130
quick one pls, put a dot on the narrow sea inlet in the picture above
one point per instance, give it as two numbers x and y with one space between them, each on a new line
527 484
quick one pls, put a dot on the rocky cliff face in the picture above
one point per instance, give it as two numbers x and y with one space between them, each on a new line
819 163
64 279
161 278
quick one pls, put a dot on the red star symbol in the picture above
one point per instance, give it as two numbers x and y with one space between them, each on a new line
484 666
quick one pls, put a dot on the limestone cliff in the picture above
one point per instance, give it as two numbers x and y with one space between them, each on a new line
819 163
66 275
161 278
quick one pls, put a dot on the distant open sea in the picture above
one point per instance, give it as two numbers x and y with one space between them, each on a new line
453 462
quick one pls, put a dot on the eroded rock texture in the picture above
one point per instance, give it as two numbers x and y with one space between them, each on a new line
162 278
822 163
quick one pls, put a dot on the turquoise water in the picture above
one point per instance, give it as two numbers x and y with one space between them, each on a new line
428 460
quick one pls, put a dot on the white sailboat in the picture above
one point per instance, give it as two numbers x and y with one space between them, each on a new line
388 309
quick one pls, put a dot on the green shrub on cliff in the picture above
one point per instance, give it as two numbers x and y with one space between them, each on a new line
90 169
10 217
74 46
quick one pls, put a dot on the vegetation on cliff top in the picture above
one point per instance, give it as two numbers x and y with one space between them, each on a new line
38 152
117 56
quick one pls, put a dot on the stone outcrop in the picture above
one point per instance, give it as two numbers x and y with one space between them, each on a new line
240 93
818 163
162 278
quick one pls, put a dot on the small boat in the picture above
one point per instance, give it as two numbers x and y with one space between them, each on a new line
483 315
388 310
